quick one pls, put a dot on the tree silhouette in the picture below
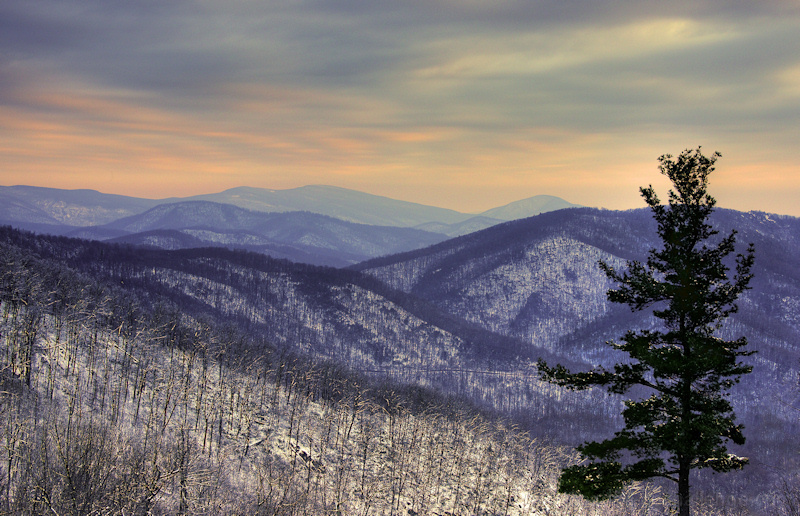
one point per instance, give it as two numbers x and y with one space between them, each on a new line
687 420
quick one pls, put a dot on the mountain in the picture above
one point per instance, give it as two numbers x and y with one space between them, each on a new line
15 209
32 204
38 205
340 203
528 208
332 314
524 276
470 225
513 211
354 206
322 225
299 236
537 281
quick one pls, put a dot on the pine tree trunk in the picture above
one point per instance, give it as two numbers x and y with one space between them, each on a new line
683 488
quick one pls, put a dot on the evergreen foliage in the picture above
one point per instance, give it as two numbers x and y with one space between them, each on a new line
687 420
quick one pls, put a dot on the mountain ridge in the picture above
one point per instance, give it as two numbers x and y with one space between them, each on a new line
528 207
341 203
74 207
336 242
324 225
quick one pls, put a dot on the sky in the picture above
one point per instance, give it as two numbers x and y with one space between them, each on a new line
462 104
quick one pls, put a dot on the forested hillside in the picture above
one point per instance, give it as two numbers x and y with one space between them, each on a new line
332 314
117 401
250 307
537 280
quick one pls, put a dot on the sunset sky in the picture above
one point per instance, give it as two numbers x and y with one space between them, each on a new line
463 104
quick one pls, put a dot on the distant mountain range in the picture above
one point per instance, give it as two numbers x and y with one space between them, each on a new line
33 205
322 225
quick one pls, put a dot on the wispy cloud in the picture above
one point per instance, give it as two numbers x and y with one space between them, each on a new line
486 101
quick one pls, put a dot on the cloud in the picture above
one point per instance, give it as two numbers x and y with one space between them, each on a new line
387 94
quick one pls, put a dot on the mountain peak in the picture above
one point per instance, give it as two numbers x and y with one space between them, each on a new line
334 201
529 207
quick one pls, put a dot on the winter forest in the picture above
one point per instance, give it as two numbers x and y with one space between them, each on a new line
138 380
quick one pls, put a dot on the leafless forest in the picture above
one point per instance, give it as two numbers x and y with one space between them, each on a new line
113 404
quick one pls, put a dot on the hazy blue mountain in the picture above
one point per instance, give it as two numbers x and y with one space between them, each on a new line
91 232
159 239
470 225
189 214
513 211
28 206
365 208
299 236
68 207
341 203
171 239
528 207
236 218
13 208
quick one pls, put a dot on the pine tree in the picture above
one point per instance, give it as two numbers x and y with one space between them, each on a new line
687 420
